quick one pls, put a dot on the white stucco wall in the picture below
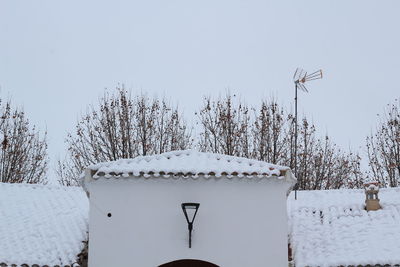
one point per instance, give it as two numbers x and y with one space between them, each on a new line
240 222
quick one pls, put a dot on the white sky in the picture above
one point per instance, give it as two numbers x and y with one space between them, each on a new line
56 57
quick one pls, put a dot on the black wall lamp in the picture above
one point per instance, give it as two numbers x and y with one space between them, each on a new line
192 208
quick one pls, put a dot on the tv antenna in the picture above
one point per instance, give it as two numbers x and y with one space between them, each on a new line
300 78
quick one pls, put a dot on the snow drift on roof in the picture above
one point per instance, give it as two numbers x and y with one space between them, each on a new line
187 163
332 228
43 225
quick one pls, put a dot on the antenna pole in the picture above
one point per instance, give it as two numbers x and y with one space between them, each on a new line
295 139
300 78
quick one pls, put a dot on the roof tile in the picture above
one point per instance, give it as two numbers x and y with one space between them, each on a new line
187 163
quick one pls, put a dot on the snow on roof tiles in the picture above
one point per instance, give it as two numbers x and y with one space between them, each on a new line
43 225
187 163
332 228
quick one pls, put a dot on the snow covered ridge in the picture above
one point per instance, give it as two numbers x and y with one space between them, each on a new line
188 163
330 228
42 225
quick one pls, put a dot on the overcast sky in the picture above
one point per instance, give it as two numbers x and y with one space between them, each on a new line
56 57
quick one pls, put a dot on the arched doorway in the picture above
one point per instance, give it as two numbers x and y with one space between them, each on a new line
188 263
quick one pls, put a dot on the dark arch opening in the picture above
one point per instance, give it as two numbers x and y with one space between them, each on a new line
188 263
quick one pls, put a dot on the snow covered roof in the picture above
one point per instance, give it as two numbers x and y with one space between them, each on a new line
42 225
332 228
187 163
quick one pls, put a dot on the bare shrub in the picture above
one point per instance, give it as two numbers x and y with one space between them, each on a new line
224 127
267 134
23 155
122 126
383 147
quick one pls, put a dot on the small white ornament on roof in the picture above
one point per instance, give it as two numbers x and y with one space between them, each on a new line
188 164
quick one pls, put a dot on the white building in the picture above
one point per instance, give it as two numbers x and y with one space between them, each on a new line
136 217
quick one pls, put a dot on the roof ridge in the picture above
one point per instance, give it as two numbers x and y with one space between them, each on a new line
178 153
187 163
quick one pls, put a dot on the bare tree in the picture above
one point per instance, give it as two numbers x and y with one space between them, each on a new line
224 127
328 167
23 157
383 147
268 135
122 127
322 164
125 127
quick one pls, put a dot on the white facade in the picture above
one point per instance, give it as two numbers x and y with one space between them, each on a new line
240 222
